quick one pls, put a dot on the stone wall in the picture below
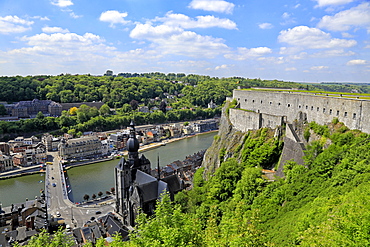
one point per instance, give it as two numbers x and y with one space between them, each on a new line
247 120
321 109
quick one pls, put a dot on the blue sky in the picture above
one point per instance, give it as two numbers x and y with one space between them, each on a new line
303 41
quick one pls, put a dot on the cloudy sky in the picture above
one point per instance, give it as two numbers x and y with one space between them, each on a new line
303 41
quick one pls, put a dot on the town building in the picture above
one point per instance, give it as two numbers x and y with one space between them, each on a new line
51 143
27 109
84 147
6 163
212 105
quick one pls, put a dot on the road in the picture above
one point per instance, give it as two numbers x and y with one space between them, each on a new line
57 198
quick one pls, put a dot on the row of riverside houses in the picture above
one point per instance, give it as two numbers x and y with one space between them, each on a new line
21 152
95 145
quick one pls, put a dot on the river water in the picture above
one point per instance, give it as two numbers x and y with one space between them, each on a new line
90 179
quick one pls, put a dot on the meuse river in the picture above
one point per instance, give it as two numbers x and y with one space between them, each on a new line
90 179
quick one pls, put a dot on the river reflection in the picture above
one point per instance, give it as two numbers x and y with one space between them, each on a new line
15 190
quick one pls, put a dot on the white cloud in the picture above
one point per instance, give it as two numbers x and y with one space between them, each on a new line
265 25
357 62
184 21
114 17
333 53
291 69
285 15
312 38
288 19
224 66
62 3
14 24
147 31
45 18
245 53
213 5
358 16
347 35
319 67
62 40
54 30
321 3
175 40
74 16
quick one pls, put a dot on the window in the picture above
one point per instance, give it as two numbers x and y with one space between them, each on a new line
337 113
245 100
354 115
345 114
323 110
330 111
252 101
261 101
270 103
306 107
299 106
288 105
279 104
311 108
318 108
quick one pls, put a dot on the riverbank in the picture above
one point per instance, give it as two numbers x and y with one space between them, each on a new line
143 148
37 169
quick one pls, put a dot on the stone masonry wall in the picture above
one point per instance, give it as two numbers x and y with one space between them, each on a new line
246 120
354 113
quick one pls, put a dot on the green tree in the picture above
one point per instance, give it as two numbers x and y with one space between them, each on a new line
3 110
105 110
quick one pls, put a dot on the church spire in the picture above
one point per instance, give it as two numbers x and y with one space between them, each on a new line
133 147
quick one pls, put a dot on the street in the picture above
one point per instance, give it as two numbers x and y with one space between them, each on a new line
58 202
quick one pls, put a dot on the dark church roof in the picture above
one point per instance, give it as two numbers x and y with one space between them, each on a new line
150 187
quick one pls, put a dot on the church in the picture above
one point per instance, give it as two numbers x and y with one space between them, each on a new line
136 188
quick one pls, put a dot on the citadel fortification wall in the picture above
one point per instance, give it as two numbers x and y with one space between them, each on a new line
354 113
248 120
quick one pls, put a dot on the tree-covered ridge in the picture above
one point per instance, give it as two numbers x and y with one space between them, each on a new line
120 90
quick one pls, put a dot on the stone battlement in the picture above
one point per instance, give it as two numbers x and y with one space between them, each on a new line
265 108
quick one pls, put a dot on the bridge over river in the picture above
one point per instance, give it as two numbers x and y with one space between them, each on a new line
58 203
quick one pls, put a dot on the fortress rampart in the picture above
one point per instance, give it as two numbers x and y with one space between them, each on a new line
246 120
265 109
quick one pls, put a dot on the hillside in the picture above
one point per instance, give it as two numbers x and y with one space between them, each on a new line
323 203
